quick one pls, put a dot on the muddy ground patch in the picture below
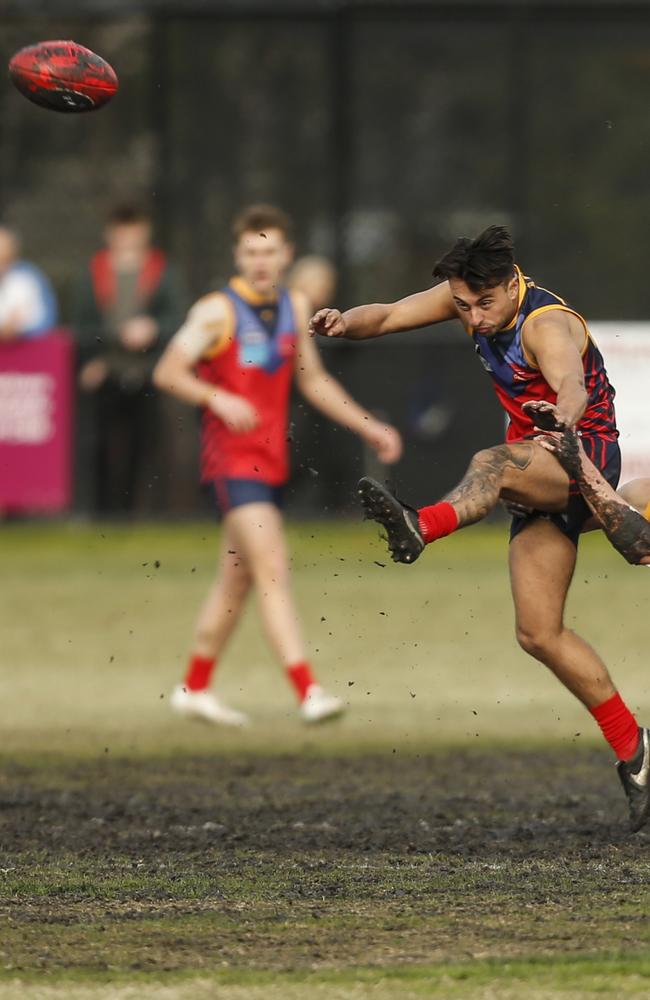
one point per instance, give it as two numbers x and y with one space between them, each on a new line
292 862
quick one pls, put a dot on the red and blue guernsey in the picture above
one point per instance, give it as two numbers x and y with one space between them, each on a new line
255 360
517 379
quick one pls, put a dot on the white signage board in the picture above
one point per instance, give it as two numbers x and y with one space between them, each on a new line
626 350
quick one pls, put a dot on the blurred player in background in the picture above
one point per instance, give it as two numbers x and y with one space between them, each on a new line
129 304
541 359
28 305
235 357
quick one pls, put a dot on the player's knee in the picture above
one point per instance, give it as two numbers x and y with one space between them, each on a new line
240 584
271 568
537 641
482 458
236 578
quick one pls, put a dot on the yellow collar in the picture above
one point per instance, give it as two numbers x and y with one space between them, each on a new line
248 294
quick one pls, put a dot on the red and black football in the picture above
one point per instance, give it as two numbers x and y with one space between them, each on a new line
63 76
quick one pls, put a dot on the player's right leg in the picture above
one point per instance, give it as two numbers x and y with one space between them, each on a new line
519 472
217 619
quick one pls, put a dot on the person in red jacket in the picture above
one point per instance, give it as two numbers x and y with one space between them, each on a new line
235 357
129 303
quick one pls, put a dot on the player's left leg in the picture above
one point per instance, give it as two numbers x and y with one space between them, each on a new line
258 532
542 561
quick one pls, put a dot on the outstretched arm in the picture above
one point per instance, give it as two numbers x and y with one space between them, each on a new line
626 529
328 395
435 305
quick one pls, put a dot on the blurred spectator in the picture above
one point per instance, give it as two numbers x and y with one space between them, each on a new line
27 302
129 304
315 277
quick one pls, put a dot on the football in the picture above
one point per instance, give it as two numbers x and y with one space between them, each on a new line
63 76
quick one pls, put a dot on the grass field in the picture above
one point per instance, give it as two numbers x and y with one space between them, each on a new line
459 833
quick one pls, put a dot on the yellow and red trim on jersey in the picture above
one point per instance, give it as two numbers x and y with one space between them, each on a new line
248 293
523 285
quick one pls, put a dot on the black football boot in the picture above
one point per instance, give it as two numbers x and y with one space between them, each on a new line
635 778
403 533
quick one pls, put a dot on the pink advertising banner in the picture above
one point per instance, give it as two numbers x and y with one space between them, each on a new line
36 423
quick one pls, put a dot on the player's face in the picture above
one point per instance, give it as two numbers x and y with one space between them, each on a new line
128 243
262 259
487 311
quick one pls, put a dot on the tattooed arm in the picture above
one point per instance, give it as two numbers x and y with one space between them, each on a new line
626 529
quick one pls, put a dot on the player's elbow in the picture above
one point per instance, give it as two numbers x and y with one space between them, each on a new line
388 321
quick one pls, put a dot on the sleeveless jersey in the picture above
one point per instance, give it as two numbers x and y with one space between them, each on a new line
517 379
257 363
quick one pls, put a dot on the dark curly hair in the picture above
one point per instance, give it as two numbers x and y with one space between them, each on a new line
484 262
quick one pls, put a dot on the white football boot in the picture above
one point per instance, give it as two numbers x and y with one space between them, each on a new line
318 705
206 706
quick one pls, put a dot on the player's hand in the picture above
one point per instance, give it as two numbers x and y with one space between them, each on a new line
93 375
236 412
138 333
327 323
385 441
546 416
566 446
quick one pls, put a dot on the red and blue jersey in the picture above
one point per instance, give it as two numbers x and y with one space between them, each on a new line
517 379
255 360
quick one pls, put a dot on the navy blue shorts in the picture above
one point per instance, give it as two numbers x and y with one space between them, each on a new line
230 493
606 456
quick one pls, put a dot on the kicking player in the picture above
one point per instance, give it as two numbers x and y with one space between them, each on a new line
538 351
235 357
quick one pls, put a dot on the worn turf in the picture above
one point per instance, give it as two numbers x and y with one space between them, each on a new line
290 863
461 833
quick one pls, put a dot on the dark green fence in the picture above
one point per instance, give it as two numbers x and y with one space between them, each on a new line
385 129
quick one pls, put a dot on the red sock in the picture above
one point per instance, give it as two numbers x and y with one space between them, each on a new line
619 726
437 521
199 672
301 677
